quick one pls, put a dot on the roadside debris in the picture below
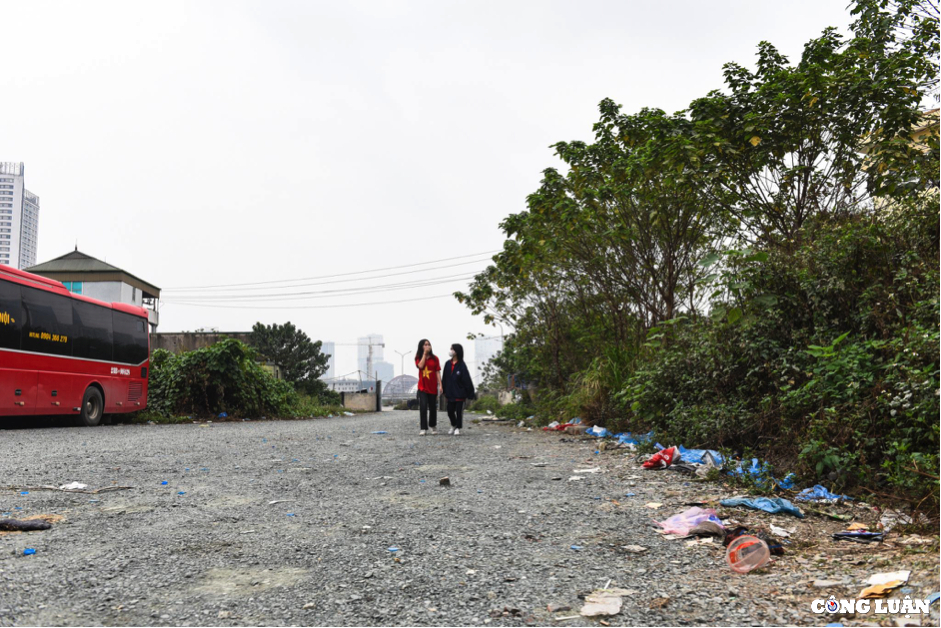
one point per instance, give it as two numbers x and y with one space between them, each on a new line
444 482
381 432
29 551
859 536
747 553
634 549
682 523
603 602
663 458
73 486
20 525
592 470
821 495
773 505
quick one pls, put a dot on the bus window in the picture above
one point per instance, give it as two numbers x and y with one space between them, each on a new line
12 315
93 326
49 325
130 339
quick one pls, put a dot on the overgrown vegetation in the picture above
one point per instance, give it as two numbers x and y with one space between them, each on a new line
223 378
758 272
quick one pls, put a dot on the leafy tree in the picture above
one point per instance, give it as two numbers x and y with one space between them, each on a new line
299 357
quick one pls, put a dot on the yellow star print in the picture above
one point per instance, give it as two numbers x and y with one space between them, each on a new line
426 373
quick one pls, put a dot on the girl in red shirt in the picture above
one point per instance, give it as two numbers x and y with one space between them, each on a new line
429 386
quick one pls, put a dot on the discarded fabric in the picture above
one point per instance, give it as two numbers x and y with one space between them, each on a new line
773 505
663 458
819 494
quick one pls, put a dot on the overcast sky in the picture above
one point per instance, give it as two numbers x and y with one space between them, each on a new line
212 143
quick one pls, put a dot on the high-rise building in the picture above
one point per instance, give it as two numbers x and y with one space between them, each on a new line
384 371
329 348
19 218
372 342
485 349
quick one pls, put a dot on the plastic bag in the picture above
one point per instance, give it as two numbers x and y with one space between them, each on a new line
682 523
663 458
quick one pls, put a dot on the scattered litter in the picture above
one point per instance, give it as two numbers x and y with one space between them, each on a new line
663 458
931 599
592 470
223 415
603 602
702 541
279 501
577 548
747 553
860 536
73 486
598 431
289 514
24 492
20 525
539 464
393 549
682 523
556 608
707 457
708 528
380 432
892 576
879 590
819 494
555 479
29 551
164 483
444 482
853 527
348 414
653 505
576 421
634 549
891 519
575 478
773 505
659 602
775 530
181 493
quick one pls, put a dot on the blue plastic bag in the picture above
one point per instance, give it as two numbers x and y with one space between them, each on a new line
598 431
773 505
697 456
819 493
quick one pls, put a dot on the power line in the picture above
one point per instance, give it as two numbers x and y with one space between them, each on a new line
291 296
360 272
309 307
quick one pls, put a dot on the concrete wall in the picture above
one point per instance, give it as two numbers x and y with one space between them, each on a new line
359 401
191 340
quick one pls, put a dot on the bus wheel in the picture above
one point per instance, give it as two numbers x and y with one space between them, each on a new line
92 407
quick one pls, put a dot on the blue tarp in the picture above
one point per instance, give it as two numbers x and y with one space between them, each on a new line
773 505
818 493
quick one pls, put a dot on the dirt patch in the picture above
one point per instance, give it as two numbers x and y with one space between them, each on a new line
244 582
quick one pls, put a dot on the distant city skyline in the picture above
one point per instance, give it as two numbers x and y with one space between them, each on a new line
19 217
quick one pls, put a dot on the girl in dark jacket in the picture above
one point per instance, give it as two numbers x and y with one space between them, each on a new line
458 387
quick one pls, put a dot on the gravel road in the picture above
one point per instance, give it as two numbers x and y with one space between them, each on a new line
291 522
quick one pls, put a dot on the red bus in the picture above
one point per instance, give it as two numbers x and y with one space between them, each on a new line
64 353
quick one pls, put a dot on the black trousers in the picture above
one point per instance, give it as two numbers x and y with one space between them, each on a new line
428 409
456 414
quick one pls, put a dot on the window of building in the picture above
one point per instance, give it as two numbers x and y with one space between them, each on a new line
73 286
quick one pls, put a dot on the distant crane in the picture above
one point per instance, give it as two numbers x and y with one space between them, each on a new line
369 368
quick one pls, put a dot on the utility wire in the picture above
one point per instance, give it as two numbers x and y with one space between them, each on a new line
310 307
350 274
291 296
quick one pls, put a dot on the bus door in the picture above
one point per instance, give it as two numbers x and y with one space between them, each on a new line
18 379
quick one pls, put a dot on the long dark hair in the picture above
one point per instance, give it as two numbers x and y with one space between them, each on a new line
421 349
458 351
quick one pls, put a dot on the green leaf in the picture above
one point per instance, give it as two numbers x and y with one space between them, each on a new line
734 314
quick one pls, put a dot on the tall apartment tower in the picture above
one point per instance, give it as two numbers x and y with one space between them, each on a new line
19 218
329 348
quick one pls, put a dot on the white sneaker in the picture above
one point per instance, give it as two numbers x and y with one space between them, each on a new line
421 433
457 432
434 431
451 431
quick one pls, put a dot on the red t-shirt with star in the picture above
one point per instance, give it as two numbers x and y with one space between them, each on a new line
428 376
